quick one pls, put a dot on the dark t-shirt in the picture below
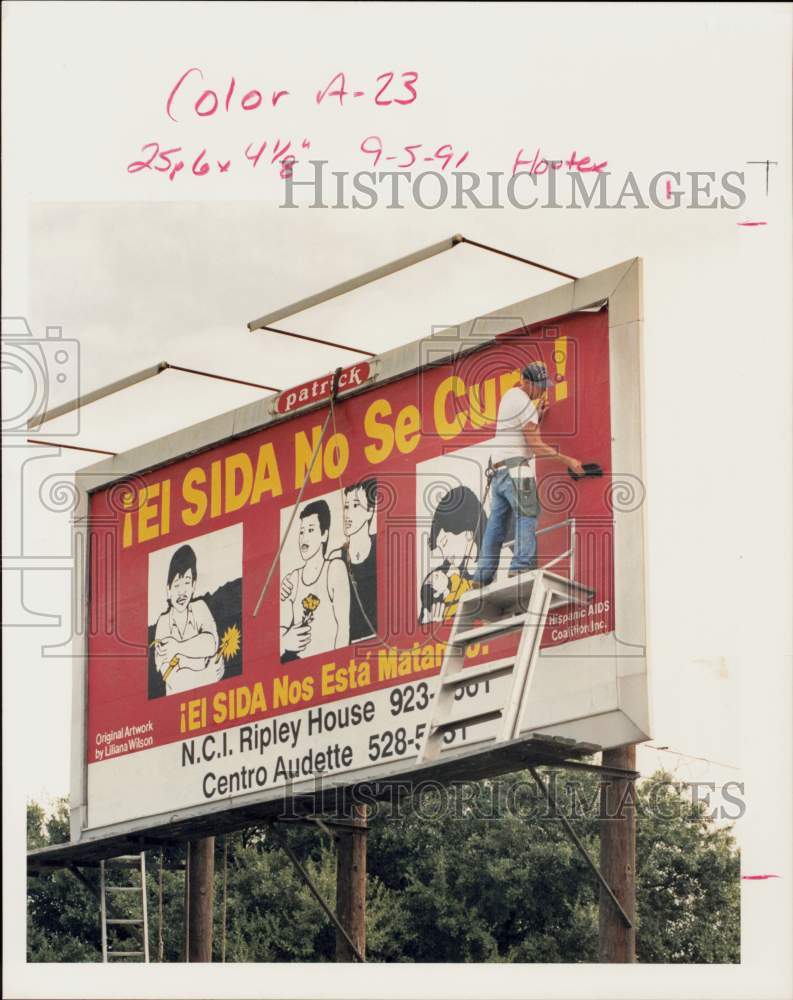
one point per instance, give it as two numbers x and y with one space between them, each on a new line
363 592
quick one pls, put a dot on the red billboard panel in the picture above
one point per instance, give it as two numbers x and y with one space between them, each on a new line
202 684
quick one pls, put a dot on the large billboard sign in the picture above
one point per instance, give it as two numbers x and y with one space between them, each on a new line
267 604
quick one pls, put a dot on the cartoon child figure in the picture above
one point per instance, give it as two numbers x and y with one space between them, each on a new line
455 538
315 598
186 636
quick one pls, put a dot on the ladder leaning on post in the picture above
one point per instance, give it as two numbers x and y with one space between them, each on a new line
126 862
521 602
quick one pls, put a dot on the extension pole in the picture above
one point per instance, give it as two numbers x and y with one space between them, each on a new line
618 857
201 881
351 885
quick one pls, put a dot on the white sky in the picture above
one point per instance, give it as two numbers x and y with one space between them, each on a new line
138 269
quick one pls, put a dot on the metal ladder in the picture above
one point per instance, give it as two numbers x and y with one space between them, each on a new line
126 862
520 602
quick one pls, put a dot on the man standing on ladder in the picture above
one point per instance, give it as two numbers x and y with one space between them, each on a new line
513 486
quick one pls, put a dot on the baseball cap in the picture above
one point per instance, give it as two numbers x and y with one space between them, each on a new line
536 372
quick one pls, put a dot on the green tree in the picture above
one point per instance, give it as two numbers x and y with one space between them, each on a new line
688 889
477 874
62 915
486 880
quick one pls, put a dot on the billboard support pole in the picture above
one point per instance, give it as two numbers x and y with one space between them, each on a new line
200 891
263 322
125 383
604 885
618 857
351 886
355 953
357 282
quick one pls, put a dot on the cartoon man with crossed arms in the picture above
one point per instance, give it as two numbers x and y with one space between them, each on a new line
186 636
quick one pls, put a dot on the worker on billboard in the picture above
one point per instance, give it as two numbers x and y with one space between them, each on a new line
186 636
359 553
315 598
513 484
458 526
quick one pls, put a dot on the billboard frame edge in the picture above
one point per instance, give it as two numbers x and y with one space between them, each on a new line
618 287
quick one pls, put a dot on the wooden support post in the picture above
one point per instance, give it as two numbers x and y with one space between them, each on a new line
201 882
618 857
186 906
351 885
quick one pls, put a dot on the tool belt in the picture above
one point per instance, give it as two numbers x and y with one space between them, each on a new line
509 463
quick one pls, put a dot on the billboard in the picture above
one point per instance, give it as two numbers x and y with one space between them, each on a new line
267 603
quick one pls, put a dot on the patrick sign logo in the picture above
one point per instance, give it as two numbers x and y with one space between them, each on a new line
319 388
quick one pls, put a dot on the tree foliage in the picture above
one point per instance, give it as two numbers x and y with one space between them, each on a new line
477 874
62 915
688 881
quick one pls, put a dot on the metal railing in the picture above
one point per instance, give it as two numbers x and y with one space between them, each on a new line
570 521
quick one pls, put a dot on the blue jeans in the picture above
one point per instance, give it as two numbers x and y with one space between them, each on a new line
503 502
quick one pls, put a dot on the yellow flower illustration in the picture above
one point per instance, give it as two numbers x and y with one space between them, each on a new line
310 602
229 644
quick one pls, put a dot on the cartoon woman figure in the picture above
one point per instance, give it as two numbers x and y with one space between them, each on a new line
359 553
315 598
455 537
186 636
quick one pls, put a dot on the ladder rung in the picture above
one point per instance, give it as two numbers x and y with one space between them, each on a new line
123 888
124 954
471 674
125 920
470 720
488 629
